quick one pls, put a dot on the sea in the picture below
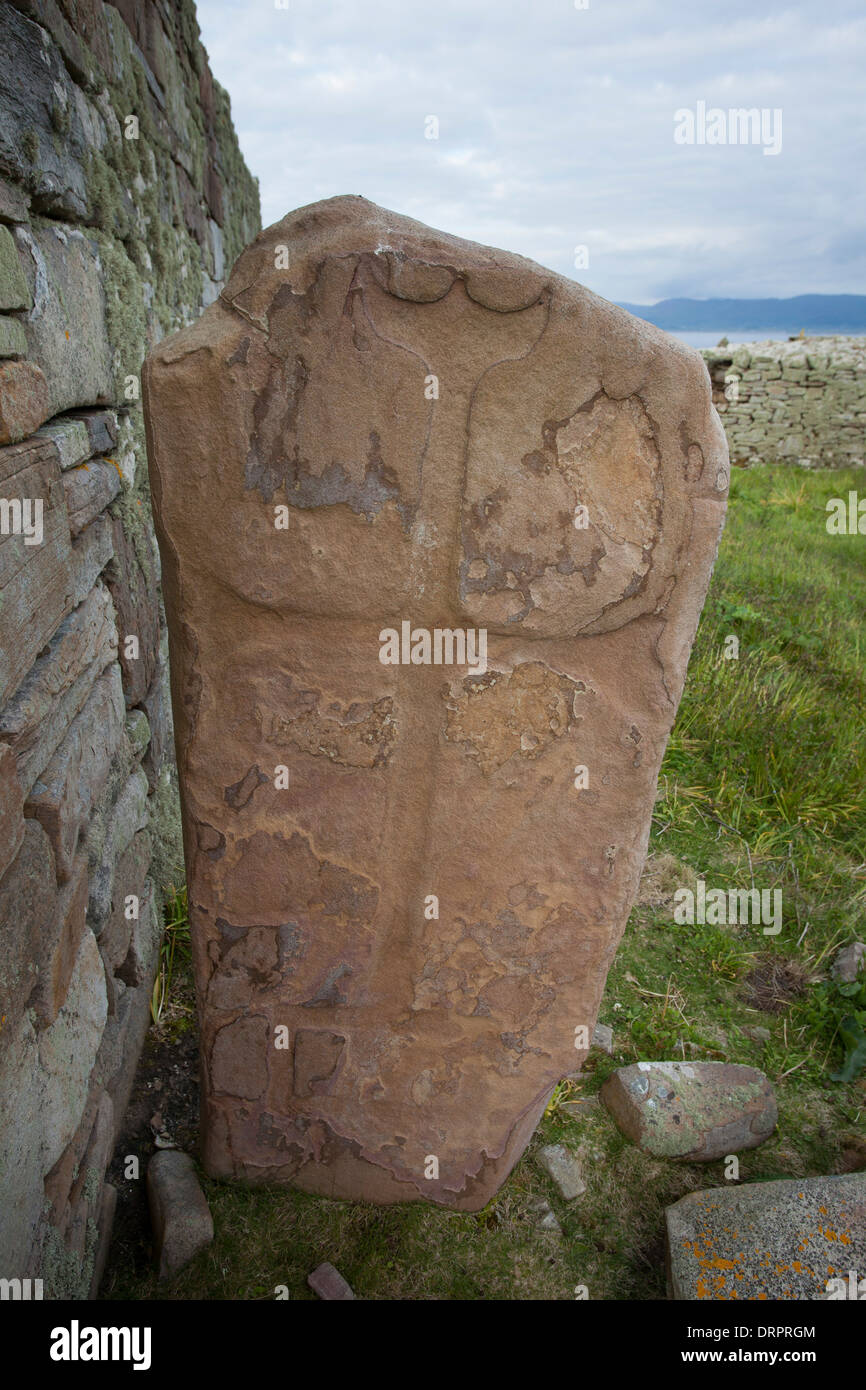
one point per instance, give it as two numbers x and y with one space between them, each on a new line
778 335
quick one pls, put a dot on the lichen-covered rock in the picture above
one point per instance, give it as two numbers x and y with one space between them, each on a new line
13 342
693 1110
436 526
797 1239
14 293
66 329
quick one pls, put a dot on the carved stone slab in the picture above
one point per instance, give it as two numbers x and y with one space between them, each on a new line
436 528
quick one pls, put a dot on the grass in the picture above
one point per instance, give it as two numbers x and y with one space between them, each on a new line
764 780
173 998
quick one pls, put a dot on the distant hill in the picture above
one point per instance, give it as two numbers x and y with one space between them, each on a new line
816 313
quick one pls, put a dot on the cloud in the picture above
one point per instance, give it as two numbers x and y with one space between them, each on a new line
556 130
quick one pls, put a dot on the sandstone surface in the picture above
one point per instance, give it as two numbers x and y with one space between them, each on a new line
408 877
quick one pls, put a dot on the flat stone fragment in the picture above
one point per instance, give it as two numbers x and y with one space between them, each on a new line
794 1239
602 1038
436 526
693 1110
849 962
543 1216
329 1284
563 1169
179 1213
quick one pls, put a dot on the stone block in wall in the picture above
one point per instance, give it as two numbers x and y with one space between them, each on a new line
13 342
59 944
125 1031
157 706
14 291
70 438
125 818
14 202
132 578
138 733
20 1146
137 967
116 936
81 435
59 1180
92 549
11 809
43 132
56 687
73 1209
101 426
66 791
144 25
73 45
69 1047
66 329
104 1225
25 400
128 446
35 580
89 489
193 214
39 1120
28 900
97 1153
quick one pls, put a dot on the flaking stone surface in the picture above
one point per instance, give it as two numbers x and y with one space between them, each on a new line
308 385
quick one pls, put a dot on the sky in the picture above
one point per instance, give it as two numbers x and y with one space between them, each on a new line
556 130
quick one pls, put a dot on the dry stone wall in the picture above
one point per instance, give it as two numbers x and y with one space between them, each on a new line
123 198
801 402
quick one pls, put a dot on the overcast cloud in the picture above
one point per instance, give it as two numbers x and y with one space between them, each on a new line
556 130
